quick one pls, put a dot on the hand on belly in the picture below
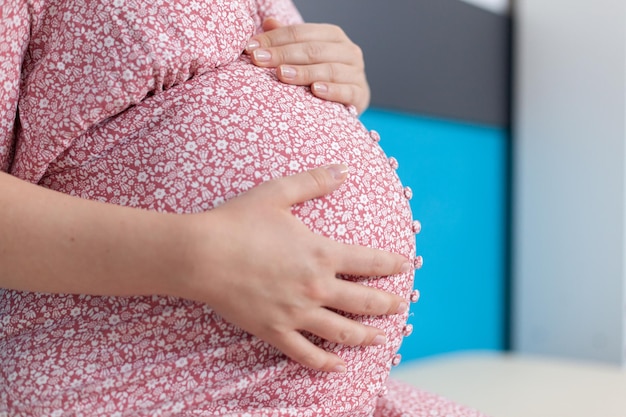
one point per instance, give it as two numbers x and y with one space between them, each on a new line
263 270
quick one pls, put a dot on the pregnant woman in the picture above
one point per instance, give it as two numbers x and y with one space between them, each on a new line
208 267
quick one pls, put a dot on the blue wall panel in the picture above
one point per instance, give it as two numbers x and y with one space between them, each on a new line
459 176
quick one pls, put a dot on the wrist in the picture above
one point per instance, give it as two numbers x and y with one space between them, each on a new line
187 251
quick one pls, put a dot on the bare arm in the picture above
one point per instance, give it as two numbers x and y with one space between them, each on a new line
249 259
56 243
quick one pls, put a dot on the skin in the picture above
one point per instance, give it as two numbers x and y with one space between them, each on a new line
250 254
317 55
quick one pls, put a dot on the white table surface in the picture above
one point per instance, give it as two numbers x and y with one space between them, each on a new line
506 385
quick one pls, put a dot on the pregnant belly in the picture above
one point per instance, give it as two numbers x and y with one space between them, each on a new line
188 150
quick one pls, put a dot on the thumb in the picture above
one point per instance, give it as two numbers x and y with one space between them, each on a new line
305 186
271 24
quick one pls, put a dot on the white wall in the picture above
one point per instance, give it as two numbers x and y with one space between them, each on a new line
496 6
569 170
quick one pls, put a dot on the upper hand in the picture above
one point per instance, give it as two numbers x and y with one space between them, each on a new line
262 269
319 55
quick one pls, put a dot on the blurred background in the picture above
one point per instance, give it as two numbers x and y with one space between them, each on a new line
508 120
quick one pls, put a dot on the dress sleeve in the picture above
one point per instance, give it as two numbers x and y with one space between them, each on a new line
282 10
14 36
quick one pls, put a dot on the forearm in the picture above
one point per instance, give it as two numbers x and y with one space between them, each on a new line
51 242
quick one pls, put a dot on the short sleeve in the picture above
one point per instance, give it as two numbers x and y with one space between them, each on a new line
282 10
14 36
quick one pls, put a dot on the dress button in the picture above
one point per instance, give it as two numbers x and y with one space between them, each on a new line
415 295
407 330
396 360
375 136
408 193
418 262
383 391
393 163
417 227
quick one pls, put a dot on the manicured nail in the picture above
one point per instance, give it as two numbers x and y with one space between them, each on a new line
379 340
406 267
338 172
288 72
341 369
252 45
320 88
402 308
262 55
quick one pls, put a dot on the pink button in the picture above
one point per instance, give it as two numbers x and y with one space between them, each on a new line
415 296
408 193
396 360
375 136
417 227
408 330
393 163
418 262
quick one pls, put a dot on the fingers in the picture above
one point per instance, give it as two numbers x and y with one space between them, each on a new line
330 81
330 72
276 34
301 350
294 189
332 327
348 94
364 300
339 329
306 53
364 261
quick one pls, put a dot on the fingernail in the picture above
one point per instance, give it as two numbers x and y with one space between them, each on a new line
338 172
379 340
262 55
406 267
402 308
320 88
252 45
341 369
288 72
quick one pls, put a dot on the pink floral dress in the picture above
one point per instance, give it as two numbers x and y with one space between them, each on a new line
150 104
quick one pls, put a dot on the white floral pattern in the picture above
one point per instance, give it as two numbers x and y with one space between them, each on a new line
150 104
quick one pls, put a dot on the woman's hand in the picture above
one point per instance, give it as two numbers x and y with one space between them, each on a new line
263 270
319 55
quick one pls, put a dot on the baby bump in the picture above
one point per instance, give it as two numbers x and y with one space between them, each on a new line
194 147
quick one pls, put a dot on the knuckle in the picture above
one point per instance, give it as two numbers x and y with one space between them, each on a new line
265 41
344 337
315 290
333 71
293 33
370 303
304 74
358 53
337 31
320 179
314 51
379 264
